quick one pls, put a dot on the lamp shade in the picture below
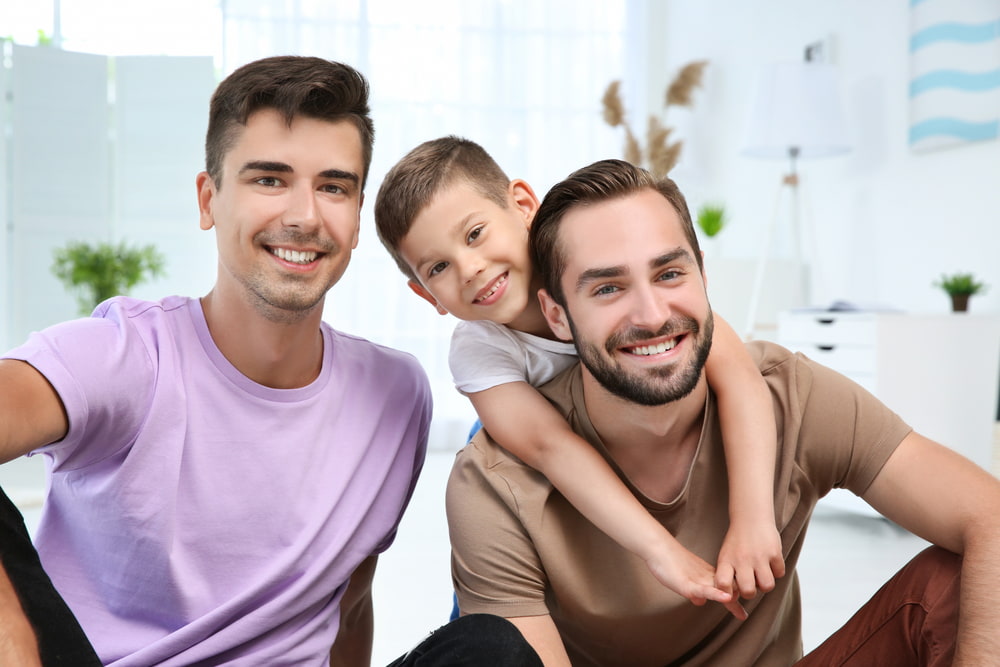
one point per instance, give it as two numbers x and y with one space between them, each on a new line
797 106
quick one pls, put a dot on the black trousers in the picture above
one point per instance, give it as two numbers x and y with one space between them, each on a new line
477 640
60 638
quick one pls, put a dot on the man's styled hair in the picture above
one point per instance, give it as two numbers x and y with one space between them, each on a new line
421 175
293 86
593 184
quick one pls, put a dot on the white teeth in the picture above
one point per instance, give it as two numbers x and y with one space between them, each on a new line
294 256
496 286
647 350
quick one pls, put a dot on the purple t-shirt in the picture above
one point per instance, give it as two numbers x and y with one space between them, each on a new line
195 515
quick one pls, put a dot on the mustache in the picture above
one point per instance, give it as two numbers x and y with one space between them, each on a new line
633 335
295 237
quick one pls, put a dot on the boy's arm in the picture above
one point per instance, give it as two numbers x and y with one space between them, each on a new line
353 645
522 421
751 551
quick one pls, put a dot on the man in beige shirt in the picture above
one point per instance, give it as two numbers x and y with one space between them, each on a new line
624 280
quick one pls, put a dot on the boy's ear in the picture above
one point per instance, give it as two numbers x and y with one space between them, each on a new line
555 315
419 290
524 199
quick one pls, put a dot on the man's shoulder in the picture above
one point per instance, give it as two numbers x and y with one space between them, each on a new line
483 460
391 365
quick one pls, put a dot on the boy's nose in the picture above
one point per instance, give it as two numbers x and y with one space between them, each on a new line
472 266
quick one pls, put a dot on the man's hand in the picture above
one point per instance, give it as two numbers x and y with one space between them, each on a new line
750 559
18 645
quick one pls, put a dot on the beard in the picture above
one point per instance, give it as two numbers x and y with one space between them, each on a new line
655 386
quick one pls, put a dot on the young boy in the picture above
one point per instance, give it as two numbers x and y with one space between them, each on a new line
457 227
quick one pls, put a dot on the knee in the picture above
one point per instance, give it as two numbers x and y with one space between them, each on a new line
475 640
940 569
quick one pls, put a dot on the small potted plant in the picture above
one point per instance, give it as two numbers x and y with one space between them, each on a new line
960 286
100 271
711 219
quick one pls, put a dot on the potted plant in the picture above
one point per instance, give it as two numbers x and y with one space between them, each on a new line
103 270
711 219
960 286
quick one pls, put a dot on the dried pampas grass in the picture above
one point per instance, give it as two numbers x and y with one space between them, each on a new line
661 155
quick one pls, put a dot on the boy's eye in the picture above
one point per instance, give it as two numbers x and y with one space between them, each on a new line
475 234
437 268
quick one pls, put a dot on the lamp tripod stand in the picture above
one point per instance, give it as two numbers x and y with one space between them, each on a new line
790 183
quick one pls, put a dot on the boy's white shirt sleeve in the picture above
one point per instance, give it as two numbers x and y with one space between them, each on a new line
485 354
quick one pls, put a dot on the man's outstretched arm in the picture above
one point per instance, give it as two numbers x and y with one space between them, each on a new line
948 500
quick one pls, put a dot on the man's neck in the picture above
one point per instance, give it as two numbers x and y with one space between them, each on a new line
654 446
279 354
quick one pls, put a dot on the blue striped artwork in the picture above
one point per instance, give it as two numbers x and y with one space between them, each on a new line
954 86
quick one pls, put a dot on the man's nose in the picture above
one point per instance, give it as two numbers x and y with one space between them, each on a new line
302 210
649 307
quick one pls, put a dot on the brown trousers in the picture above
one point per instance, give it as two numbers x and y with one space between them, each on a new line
911 620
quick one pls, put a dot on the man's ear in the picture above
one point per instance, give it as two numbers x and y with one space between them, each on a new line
524 198
206 191
419 290
555 315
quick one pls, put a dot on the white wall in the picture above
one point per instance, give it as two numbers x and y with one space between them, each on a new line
887 221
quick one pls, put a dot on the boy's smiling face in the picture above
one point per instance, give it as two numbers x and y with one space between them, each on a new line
471 255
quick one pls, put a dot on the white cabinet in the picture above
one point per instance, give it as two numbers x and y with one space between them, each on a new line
939 372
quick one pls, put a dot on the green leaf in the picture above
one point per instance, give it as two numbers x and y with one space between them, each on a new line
100 271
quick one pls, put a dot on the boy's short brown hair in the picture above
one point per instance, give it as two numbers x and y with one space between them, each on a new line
421 175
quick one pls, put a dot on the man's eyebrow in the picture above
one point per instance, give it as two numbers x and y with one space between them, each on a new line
283 168
671 256
266 165
603 273
340 173
592 275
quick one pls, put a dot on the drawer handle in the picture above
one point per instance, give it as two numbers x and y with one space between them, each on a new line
825 320
825 348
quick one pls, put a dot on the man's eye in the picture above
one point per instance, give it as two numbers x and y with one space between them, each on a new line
475 234
334 189
267 181
605 289
670 275
437 268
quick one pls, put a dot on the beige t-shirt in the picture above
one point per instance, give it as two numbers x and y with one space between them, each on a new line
520 549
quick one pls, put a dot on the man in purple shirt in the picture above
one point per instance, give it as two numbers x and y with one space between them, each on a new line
223 471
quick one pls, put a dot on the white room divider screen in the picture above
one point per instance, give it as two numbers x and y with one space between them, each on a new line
100 149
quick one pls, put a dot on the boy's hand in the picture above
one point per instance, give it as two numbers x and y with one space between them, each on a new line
750 559
691 577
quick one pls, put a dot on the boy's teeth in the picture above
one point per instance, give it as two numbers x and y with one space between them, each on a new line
647 350
294 256
496 286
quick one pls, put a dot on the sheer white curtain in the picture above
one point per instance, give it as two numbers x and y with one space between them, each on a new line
524 79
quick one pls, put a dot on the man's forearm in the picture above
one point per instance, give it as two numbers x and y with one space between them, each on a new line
18 645
979 621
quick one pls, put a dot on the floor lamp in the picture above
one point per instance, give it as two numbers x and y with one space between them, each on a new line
796 115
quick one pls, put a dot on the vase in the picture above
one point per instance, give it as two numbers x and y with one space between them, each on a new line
960 302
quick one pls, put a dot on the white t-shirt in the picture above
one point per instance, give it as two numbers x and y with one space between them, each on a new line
486 354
